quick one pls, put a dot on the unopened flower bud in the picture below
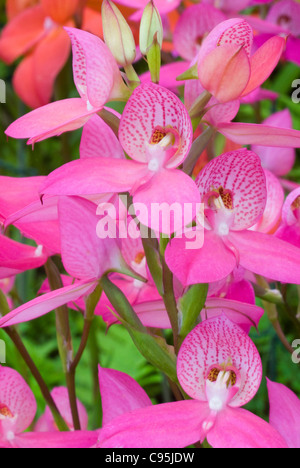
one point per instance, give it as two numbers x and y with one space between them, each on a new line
151 28
117 34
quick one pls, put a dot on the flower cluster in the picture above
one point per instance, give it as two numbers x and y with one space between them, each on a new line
177 222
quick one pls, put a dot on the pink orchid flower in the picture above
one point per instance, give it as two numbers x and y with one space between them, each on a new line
220 368
17 411
283 17
85 256
229 6
193 26
289 230
97 79
226 67
285 413
168 75
60 396
156 132
233 190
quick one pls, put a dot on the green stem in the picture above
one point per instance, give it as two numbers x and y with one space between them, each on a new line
170 302
64 340
16 339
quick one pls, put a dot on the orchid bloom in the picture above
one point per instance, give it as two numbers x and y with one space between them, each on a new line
193 26
285 413
97 79
156 132
289 230
85 256
17 411
233 190
220 368
282 18
226 67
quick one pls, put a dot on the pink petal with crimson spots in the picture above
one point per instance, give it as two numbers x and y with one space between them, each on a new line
268 256
192 27
238 428
98 140
51 120
234 31
114 384
212 262
18 399
149 107
285 413
214 342
170 425
95 70
241 173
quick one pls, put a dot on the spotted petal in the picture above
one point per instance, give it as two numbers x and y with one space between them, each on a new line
214 342
241 173
149 107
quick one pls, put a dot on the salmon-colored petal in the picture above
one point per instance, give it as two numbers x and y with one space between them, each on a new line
24 83
49 58
60 10
23 32
264 61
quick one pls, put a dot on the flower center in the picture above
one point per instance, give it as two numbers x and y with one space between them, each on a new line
139 257
284 20
158 134
5 412
222 383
